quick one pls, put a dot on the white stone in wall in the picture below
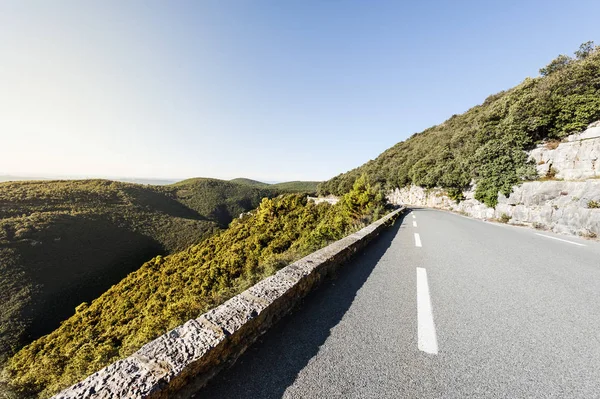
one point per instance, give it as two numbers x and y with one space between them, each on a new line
331 199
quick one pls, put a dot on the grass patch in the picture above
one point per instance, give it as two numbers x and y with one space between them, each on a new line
552 144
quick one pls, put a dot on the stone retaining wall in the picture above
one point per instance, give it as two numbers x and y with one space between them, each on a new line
183 360
558 206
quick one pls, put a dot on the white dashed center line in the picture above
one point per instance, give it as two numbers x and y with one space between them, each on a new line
417 240
414 223
413 215
426 327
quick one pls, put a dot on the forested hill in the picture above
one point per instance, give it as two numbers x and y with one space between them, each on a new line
218 200
288 187
487 143
169 290
249 182
66 242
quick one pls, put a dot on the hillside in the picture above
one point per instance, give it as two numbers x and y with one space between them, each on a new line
298 186
66 242
309 187
219 200
249 182
486 144
167 291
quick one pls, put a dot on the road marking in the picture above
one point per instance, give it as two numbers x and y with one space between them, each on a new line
560 239
417 240
413 215
414 223
426 327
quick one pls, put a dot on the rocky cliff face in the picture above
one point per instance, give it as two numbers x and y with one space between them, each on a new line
560 206
563 206
574 159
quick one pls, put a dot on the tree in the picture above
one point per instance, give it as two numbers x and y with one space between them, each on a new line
584 50
556 65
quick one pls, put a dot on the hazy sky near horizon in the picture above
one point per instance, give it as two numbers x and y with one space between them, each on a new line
270 90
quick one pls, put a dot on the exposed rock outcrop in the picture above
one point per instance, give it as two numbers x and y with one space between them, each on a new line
574 159
331 199
562 206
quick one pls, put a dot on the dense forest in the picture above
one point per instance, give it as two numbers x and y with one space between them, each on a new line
309 187
66 242
487 143
169 290
224 201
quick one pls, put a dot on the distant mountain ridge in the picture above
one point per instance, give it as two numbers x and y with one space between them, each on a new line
290 186
249 182
5 178
151 181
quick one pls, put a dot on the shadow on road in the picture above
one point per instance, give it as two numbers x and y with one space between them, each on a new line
273 362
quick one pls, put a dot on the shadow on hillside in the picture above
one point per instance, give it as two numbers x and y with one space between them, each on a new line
159 202
75 260
273 362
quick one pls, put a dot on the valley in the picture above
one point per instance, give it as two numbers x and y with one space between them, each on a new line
66 242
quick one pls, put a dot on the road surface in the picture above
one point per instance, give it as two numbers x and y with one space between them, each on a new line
440 306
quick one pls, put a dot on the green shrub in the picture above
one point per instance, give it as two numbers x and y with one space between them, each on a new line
456 194
593 204
556 64
504 218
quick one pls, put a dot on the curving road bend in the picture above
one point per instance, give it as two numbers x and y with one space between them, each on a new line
440 306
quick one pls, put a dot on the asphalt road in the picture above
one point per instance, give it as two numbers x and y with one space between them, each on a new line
479 310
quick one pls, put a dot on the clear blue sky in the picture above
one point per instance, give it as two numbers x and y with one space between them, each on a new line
271 90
